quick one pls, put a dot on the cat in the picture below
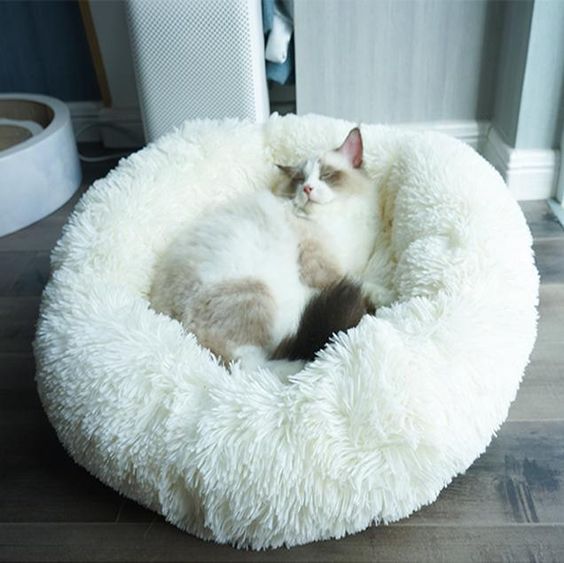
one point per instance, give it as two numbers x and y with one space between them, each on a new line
242 277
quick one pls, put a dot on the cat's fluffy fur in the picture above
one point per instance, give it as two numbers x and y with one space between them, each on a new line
241 278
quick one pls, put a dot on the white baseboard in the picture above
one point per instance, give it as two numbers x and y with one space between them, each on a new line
114 127
470 131
529 173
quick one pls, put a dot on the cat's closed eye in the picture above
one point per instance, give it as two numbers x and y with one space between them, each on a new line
330 175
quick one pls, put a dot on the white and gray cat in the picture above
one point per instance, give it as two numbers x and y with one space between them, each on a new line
262 279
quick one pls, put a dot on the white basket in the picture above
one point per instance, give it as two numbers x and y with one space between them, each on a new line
39 174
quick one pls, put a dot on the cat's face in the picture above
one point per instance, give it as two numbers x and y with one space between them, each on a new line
327 177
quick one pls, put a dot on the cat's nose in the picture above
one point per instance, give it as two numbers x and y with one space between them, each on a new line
307 189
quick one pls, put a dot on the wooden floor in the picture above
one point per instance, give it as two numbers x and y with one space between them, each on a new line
509 506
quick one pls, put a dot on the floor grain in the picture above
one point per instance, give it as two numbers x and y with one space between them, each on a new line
549 253
541 395
161 542
541 220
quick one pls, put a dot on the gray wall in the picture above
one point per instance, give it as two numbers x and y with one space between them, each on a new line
528 111
511 69
397 61
542 100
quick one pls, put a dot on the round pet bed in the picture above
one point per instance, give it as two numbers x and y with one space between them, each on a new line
370 431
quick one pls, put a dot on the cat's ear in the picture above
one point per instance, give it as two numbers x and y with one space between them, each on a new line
352 148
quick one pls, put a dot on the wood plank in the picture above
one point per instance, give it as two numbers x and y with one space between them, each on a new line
17 383
549 257
541 396
551 312
23 274
17 323
40 482
162 542
11 265
541 220
40 236
518 479
17 372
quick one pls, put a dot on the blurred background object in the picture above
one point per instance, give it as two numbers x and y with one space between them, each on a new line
197 59
39 167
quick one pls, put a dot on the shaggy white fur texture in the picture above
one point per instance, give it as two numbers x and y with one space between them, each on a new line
373 429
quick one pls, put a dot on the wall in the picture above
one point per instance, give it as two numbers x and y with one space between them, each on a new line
109 19
390 61
111 28
542 106
528 112
511 70
43 50
529 104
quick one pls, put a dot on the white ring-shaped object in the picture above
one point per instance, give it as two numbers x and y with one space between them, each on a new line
370 431
40 174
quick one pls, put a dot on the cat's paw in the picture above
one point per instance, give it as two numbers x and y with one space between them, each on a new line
378 294
285 368
250 357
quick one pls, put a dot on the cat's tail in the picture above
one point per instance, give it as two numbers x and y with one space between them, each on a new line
337 307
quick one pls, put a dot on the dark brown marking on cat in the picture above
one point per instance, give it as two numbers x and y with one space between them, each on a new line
295 173
338 307
287 182
331 175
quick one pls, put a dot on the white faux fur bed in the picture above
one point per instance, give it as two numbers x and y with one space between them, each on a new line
372 430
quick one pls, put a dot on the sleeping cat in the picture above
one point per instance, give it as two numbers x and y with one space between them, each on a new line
243 276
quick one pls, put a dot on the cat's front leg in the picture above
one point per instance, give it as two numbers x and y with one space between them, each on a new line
317 268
